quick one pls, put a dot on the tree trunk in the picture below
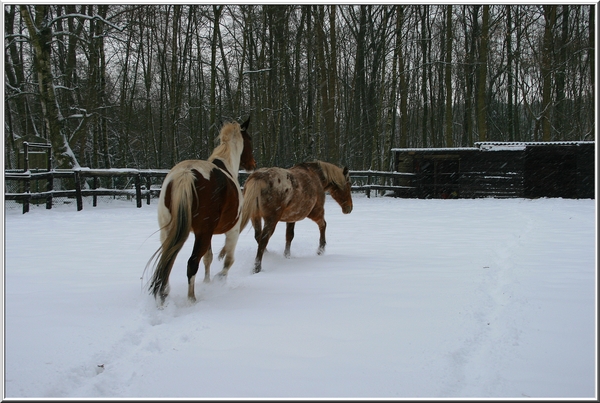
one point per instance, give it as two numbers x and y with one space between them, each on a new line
103 103
403 142
13 67
481 105
561 121
509 70
547 56
470 71
425 66
213 77
326 86
40 35
390 129
332 128
448 79
591 61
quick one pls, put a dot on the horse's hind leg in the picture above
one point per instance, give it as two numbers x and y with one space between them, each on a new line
289 235
201 246
257 224
228 251
267 231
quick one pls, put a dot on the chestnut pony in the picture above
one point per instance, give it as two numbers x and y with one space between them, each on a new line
202 197
290 195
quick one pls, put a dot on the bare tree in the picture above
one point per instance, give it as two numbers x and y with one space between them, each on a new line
448 115
40 35
148 85
482 68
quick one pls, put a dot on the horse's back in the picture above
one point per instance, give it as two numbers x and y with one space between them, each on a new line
216 204
203 167
290 194
177 173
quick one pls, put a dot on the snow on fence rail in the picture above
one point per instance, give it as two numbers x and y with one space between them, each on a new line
142 186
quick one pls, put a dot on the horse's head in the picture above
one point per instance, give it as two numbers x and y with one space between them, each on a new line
247 161
341 193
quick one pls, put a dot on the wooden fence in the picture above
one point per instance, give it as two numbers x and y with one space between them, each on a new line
142 187
383 180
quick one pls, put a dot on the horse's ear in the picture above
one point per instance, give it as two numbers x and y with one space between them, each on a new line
245 125
346 171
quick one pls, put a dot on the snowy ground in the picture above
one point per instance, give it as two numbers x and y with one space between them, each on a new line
413 298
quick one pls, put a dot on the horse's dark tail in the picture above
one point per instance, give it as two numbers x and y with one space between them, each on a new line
252 190
180 195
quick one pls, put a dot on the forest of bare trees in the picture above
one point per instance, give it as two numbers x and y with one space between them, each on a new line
145 86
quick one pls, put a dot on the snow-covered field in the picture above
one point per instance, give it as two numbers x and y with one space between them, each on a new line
413 298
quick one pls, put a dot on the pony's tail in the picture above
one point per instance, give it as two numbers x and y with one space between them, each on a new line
176 231
252 191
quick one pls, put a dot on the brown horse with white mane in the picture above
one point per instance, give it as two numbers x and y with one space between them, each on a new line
290 195
203 197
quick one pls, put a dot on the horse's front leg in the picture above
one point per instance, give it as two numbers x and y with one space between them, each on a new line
289 235
318 216
207 259
228 251
322 225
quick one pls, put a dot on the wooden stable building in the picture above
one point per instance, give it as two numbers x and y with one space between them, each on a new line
499 169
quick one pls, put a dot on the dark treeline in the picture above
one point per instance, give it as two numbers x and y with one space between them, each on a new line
146 86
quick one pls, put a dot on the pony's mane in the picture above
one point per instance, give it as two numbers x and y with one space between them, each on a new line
333 173
229 132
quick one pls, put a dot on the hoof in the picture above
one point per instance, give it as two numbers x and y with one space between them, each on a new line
192 299
221 276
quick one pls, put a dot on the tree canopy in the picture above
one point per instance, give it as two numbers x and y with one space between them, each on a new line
146 86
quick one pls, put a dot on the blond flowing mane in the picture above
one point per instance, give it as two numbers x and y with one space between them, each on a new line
333 174
231 144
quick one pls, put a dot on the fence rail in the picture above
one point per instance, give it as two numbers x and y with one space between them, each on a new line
366 181
385 180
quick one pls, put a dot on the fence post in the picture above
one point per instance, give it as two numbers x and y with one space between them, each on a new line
25 156
27 190
78 195
49 189
49 158
26 204
138 189
148 187
95 186
26 182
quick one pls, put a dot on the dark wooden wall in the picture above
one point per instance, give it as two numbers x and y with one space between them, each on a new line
528 170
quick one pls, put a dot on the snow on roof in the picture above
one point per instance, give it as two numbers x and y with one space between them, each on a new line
502 147
532 143
494 146
448 149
